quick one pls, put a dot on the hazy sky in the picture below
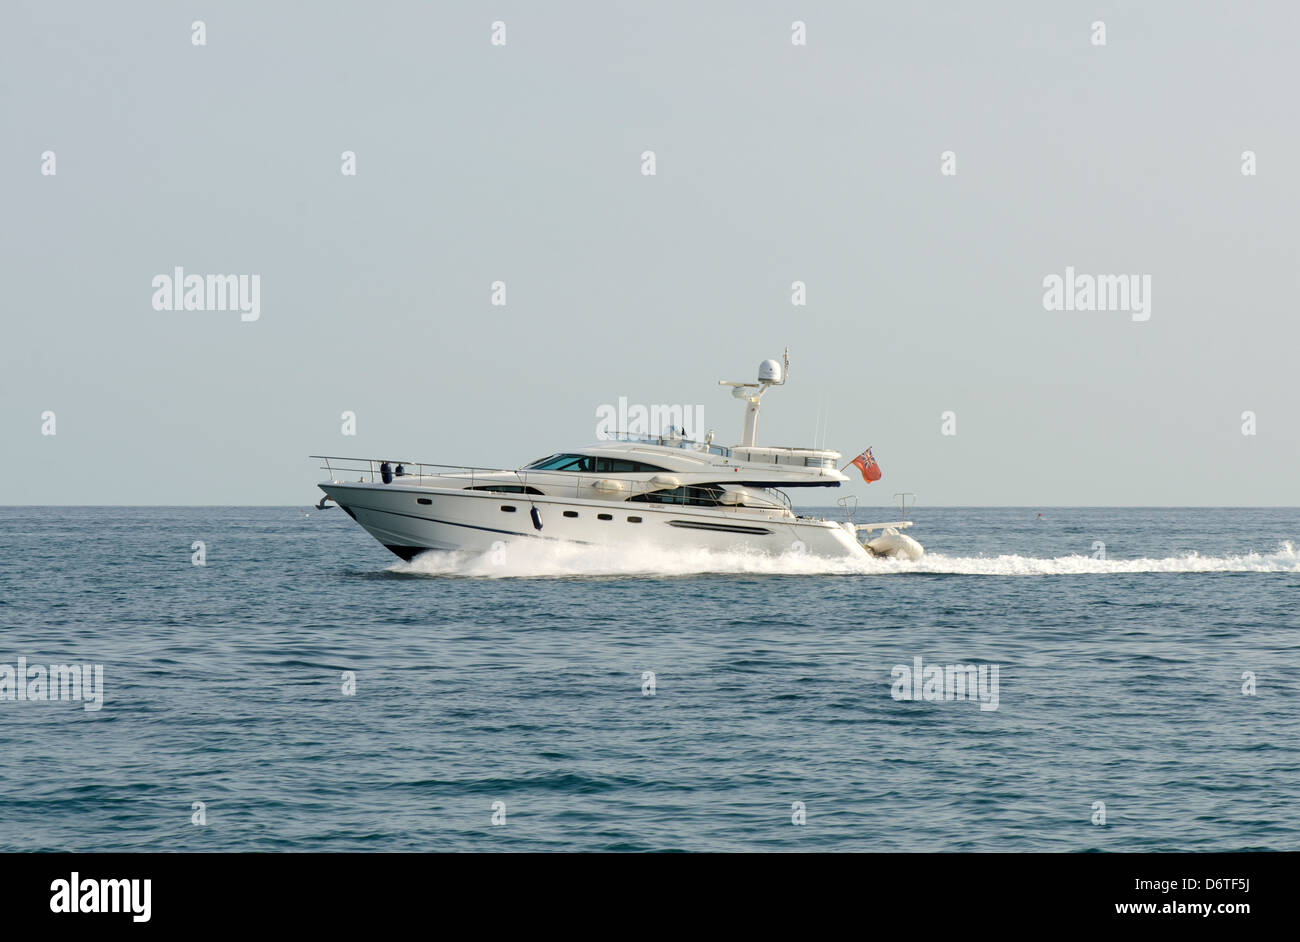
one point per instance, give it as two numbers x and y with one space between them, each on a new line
775 163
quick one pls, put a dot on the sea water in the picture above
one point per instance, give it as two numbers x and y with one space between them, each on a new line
303 689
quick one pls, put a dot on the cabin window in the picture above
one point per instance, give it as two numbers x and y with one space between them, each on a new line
604 516
571 513
593 464
423 500
633 519
705 495
505 488
508 508
623 466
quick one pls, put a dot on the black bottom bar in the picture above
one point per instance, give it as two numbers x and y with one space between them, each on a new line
922 895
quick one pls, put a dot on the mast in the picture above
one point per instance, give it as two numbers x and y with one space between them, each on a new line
770 373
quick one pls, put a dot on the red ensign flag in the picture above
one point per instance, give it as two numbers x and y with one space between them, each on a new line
866 463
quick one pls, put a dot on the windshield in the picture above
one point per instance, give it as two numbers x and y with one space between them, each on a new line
563 463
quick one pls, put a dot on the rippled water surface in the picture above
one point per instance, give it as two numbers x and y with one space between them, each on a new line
521 681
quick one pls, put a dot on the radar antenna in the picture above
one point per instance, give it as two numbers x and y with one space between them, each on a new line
770 373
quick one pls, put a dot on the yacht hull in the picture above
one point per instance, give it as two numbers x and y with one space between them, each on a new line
410 520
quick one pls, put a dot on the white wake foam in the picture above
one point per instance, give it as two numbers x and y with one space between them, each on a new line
533 559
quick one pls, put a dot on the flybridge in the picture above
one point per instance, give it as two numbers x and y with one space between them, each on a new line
791 457
669 440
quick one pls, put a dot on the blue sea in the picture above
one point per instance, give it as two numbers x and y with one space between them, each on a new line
313 692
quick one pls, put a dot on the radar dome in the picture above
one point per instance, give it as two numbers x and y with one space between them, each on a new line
769 371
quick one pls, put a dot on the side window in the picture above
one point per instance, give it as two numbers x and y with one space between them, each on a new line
624 466
505 489
702 496
615 466
571 463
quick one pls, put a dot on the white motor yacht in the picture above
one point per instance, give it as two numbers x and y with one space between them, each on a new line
662 490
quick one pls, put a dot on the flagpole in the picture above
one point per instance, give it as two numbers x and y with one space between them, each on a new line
850 464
